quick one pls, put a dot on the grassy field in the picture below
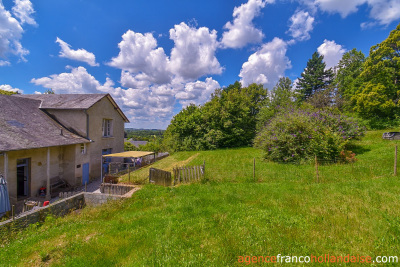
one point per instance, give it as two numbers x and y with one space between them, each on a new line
354 209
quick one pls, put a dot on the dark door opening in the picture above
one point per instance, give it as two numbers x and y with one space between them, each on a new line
23 178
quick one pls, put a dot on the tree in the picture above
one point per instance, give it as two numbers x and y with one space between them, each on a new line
4 92
128 146
281 96
282 93
379 91
227 120
349 69
314 78
49 92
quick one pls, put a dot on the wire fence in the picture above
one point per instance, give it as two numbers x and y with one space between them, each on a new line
237 168
114 169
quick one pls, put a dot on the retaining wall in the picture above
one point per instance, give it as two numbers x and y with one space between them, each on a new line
60 208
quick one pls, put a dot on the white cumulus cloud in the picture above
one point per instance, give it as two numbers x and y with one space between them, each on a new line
332 52
149 106
197 92
78 81
78 55
266 65
4 63
140 56
10 37
385 11
193 54
242 31
382 11
301 24
144 63
23 10
343 7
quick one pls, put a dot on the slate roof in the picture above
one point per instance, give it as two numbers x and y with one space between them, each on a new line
23 125
66 101
72 101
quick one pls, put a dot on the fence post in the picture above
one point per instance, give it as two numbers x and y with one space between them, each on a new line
254 169
395 160
316 168
129 172
12 212
149 175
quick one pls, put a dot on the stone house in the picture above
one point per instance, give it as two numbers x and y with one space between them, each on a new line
56 137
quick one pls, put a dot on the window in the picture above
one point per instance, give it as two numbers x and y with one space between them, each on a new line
107 128
83 148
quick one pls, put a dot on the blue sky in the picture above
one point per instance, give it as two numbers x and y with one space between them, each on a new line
155 57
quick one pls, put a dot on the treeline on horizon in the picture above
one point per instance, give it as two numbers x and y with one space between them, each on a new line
143 134
366 88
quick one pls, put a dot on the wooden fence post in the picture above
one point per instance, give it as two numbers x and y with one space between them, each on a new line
129 172
254 169
316 168
395 160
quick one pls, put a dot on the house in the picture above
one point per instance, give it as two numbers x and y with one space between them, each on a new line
56 137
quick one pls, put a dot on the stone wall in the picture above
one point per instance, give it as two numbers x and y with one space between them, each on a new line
62 208
57 209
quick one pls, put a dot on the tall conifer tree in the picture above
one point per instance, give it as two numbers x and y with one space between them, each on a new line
314 78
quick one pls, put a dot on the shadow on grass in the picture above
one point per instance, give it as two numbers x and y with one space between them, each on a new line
358 149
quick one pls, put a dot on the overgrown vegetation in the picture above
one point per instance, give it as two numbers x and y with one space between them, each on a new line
4 92
227 120
298 135
354 209
366 88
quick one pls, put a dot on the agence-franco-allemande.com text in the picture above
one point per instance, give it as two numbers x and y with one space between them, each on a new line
326 258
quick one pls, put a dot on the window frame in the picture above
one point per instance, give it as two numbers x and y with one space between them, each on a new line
83 149
107 128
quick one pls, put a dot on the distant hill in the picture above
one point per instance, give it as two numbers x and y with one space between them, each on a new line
143 134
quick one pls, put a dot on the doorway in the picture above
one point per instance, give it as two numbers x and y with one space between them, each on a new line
23 178
85 173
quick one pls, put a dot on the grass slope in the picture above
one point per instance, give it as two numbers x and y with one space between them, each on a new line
353 210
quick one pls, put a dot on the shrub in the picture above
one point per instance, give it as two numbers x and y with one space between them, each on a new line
297 135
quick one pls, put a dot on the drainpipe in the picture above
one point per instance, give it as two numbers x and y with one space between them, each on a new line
6 166
87 123
48 196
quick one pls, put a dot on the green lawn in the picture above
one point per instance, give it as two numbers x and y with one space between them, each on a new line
354 209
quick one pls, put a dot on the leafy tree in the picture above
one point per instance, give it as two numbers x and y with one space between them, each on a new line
314 78
349 69
128 146
49 92
282 95
378 95
186 130
236 85
227 120
4 92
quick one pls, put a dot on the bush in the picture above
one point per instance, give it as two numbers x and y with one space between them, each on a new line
297 135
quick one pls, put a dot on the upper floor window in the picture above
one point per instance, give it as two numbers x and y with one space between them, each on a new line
107 128
83 148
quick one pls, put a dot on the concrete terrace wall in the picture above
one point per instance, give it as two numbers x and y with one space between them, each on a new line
61 208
